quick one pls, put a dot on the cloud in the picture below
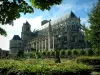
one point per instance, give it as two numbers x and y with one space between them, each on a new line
17 28
85 21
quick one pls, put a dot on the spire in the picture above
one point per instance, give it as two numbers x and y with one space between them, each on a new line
27 23
72 15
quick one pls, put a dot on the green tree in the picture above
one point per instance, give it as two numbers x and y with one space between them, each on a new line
87 31
44 4
10 9
94 20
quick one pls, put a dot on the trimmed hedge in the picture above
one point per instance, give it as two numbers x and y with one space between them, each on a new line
64 53
93 60
13 67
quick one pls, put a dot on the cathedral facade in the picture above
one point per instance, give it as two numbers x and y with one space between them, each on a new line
63 33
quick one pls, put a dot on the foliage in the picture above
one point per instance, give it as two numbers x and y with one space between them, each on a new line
48 53
32 67
30 55
44 4
44 53
62 53
91 60
10 10
82 52
3 32
52 53
87 31
75 52
69 53
97 52
94 20
90 52
20 54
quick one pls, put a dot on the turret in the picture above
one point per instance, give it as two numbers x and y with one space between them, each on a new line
15 44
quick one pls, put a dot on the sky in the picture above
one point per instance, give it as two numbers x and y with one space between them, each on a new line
81 8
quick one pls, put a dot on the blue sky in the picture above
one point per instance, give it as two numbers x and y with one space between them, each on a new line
81 8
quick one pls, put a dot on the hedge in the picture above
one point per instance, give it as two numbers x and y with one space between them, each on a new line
13 67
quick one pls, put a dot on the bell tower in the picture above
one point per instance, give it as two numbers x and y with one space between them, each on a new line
26 29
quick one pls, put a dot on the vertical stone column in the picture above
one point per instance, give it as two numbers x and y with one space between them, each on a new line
45 44
33 44
49 35
39 44
53 42
42 44
48 42
36 45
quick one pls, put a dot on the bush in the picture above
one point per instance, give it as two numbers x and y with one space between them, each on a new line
38 54
30 55
21 68
62 53
48 53
75 52
69 53
20 54
82 52
52 53
97 52
44 53
91 60
90 52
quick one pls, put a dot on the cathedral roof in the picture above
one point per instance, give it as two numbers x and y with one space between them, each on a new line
16 37
63 18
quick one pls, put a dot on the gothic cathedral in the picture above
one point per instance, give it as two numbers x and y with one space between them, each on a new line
63 33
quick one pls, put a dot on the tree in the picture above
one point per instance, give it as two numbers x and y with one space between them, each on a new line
10 10
44 4
87 35
94 20
86 31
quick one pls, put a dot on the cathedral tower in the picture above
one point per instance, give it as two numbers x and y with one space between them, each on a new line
25 31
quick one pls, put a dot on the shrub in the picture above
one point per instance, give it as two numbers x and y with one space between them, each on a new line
90 52
21 68
38 54
30 55
97 52
75 52
91 60
82 52
52 53
20 54
62 53
69 53
48 53
44 53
